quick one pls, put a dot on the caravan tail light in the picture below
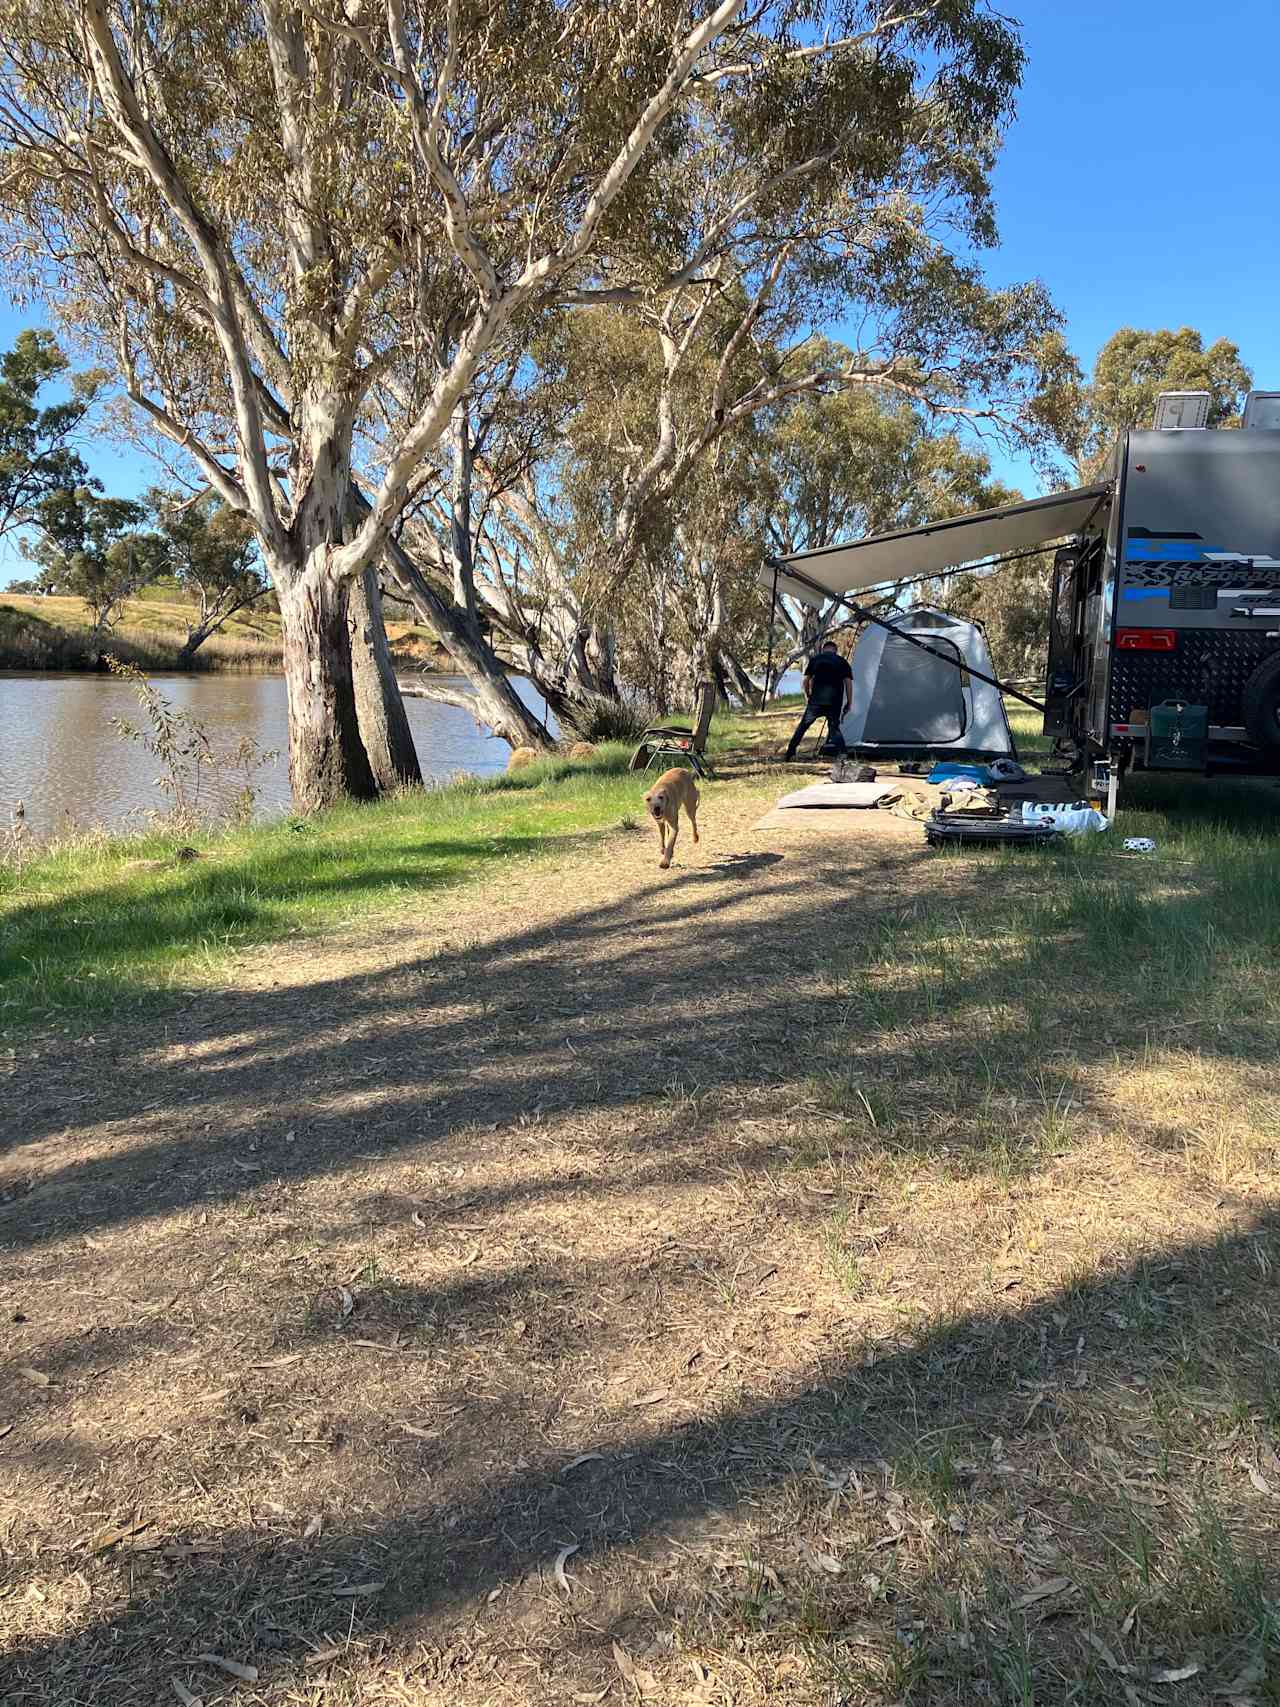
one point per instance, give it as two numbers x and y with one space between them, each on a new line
1146 639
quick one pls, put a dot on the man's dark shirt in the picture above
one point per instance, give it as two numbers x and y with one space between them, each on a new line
827 673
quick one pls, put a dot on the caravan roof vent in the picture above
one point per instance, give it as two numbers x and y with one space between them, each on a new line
1179 411
1262 409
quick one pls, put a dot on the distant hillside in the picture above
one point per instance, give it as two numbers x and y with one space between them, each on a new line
53 634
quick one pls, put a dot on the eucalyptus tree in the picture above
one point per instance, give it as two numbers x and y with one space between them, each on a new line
262 211
211 552
1134 367
713 320
38 454
94 549
854 464
257 208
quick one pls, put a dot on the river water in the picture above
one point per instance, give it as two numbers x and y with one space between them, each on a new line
61 756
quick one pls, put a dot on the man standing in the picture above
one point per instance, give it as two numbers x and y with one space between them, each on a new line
828 692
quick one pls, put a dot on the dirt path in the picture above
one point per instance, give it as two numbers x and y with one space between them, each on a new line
435 1313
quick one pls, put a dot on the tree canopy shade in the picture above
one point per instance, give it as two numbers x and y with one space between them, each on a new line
300 229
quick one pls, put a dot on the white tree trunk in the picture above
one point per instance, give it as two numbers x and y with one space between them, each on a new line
327 758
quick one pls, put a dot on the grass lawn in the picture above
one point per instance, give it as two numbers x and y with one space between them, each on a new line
109 919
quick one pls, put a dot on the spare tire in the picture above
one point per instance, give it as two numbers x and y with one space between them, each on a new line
1262 704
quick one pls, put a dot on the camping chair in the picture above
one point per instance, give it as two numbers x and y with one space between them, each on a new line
677 741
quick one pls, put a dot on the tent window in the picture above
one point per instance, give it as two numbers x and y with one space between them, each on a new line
917 698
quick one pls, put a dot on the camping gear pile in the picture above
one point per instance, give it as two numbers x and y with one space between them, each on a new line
956 804
1021 821
923 696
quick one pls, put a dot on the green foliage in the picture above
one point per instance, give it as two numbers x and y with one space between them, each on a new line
211 552
863 461
1012 605
599 719
36 456
757 174
1134 367
94 549
212 548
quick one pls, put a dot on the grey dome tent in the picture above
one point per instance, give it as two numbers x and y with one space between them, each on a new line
909 703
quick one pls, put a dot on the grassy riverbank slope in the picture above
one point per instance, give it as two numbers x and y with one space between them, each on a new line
106 919
53 634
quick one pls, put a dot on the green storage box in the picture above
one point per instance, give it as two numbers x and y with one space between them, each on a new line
1179 737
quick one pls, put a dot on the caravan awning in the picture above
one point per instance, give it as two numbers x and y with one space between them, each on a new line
925 550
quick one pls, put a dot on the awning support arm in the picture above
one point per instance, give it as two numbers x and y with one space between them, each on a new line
773 617
865 615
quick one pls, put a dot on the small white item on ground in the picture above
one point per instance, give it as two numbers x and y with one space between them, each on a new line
1139 844
558 1570
246 1674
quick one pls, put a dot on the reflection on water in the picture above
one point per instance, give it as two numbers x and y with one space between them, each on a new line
61 757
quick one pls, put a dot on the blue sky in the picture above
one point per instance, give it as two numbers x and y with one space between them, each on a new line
1138 181
1139 178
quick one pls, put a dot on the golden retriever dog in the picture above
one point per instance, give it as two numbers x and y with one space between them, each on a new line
673 789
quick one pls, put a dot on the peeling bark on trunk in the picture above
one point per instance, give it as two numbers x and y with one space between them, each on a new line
380 713
327 759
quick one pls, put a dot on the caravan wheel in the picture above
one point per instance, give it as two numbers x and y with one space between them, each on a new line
1262 704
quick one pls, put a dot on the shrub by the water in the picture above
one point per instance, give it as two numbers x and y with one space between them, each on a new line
601 719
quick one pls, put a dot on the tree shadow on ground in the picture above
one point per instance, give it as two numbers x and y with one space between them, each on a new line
932 1438
987 969
111 934
601 1059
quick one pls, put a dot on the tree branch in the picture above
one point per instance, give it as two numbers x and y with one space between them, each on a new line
120 103
491 317
220 479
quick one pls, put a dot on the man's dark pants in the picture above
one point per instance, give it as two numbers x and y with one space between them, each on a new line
814 710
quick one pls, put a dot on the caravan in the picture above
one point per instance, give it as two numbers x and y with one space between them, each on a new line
1164 646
